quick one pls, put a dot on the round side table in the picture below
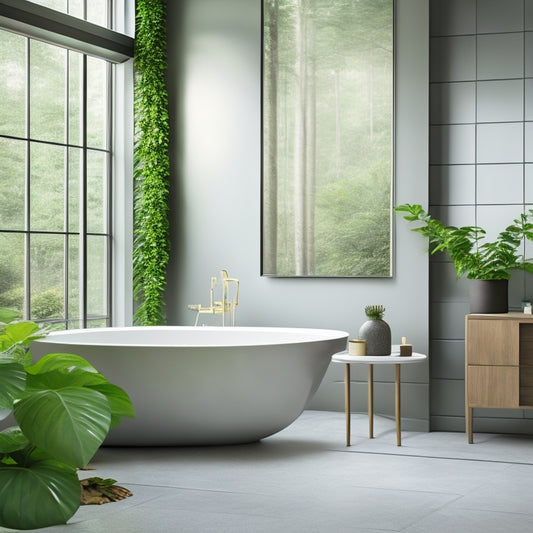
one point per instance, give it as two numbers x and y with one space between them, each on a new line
371 360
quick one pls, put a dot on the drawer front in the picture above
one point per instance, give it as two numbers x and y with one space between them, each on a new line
493 386
492 342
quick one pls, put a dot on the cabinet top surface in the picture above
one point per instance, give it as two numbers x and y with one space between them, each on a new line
501 316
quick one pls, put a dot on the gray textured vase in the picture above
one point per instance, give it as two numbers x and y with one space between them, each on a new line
377 335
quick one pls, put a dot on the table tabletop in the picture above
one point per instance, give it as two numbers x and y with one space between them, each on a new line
395 358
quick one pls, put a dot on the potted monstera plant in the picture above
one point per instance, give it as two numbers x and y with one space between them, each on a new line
64 409
488 265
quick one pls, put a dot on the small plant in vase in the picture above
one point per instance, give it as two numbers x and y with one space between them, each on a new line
375 331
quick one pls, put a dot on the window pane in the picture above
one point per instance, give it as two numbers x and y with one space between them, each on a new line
75 177
76 9
75 98
47 187
47 92
12 84
96 103
96 9
12 172
97 12
74 281
96 276
96 192
46 274
12 271
58 5
100 323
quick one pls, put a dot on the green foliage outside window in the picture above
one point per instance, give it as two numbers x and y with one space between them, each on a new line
151 163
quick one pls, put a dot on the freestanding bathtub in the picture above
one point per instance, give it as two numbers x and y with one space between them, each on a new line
204 385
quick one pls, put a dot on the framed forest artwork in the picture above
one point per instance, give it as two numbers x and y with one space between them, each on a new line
327 138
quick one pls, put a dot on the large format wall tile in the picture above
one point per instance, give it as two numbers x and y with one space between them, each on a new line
455 215
528 111
500 184
444 285
529 54
453 58
495 218
452 144
500 101
528 18
499 56
453 184
500 143
495 16
448 359
453 17
528 133
453 103
528 185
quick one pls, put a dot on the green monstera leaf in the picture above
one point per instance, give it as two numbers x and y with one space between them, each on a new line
62 362
119 402
12 382
43 494
12 440
70 424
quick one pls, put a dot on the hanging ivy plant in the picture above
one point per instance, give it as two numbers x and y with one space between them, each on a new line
151 243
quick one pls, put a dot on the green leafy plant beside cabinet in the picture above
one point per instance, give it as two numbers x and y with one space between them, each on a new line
151 163
64 409
470 253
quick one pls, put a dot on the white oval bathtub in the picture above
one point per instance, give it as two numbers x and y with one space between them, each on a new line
204 385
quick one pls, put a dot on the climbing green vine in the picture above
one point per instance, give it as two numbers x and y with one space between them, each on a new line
151 243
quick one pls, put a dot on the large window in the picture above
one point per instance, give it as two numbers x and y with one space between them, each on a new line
55 182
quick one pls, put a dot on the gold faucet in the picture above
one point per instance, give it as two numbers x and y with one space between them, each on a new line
228 303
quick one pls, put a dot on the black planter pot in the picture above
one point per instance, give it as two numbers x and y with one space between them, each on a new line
489 295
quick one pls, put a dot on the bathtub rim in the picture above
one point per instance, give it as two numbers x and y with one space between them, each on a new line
301 336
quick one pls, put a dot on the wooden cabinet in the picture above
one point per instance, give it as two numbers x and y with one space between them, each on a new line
498 363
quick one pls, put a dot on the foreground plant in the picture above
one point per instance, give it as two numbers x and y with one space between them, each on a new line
64 409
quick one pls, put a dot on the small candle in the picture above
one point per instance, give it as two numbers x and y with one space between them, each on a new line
405 349
357 347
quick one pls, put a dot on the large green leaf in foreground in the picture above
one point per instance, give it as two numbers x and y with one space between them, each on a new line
70 424
12 382
44 494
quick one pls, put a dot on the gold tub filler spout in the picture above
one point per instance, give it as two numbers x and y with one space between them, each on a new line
230 299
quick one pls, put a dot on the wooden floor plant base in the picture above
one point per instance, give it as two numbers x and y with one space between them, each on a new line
97 491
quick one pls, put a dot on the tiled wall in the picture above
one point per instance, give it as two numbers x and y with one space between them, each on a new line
481 171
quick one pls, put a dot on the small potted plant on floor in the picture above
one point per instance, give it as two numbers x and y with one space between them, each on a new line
488 265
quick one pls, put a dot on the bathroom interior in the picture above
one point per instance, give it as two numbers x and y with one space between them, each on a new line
463 138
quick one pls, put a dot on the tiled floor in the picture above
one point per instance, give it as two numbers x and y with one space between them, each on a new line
304 479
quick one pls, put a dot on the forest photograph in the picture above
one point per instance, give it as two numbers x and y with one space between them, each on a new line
327 137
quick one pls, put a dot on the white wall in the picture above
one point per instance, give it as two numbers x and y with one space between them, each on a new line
214 83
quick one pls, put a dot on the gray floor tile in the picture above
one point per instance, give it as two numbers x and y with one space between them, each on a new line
305 479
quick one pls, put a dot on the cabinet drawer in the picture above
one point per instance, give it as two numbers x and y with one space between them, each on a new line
493 386
492 342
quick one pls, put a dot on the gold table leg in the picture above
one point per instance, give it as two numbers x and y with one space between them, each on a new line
370 401
398 407
347 401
